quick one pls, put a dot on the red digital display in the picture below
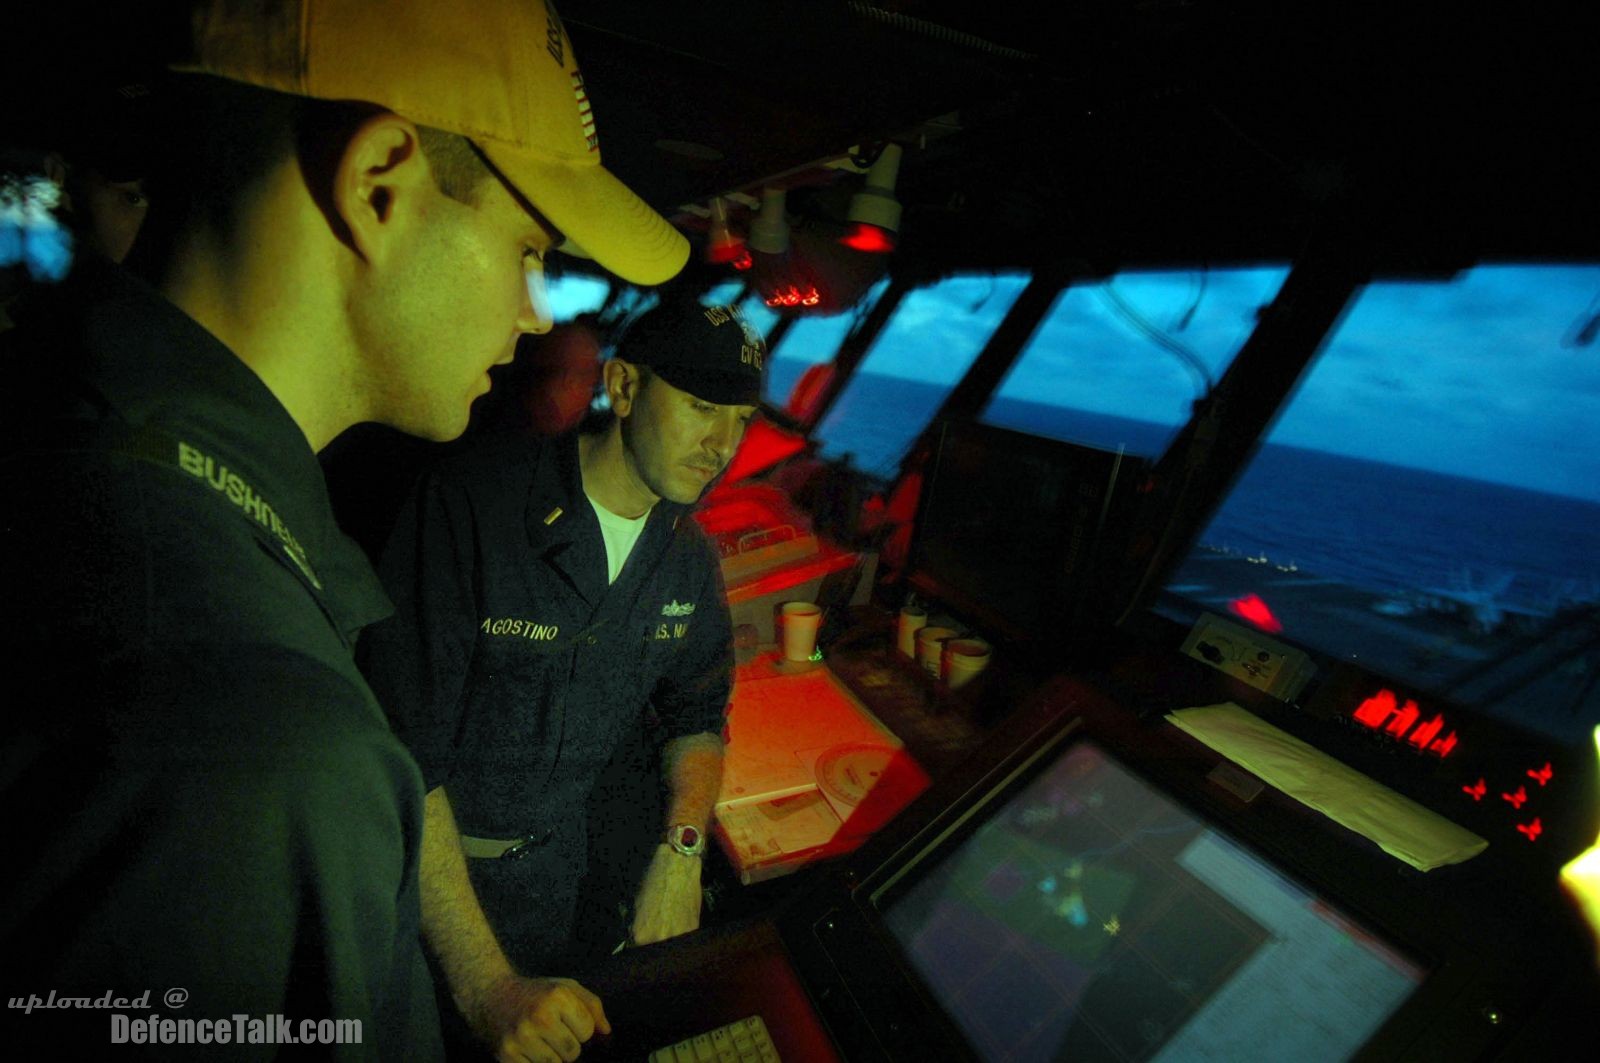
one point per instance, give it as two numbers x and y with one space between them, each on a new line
1427 732
1375 709
1402 721
1384 711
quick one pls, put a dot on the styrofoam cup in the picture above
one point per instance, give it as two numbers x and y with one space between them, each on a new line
912 619
800 623
930 648
963 659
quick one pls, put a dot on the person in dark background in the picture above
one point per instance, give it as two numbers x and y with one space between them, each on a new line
206 801
545 592
102 164
547 391
93 149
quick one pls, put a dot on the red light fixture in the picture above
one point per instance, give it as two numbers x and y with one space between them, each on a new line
793 296
868 238
769 232
1253 609
726 254
874 213
722 246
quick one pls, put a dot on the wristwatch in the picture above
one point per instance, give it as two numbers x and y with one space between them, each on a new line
687 839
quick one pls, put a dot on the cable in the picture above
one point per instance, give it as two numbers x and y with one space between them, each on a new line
1584 329
1187 317
1158 337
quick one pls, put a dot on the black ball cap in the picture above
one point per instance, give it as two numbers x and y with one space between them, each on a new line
709 351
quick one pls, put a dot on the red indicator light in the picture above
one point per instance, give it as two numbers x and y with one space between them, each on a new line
792 296
1404 719
1517 799
869 238
1376 709
1532 830
744 261
1444 745
1427 732
1543 775
1476 790
1253 609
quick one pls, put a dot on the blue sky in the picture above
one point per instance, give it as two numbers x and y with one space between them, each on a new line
1477 376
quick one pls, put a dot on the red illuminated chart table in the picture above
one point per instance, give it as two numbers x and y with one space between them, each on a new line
809 771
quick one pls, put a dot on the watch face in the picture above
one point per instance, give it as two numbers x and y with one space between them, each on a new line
686 839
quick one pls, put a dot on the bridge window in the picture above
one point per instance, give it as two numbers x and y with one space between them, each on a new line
1428 504
1119 363
922 352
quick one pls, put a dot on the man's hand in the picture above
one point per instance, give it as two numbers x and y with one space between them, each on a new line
669 898
538 1020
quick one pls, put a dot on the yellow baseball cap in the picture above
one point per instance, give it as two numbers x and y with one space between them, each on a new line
499 72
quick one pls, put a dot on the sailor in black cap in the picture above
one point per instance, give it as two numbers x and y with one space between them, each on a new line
547 593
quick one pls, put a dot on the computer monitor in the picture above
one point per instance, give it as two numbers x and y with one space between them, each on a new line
1062 900
1011 529
1089 916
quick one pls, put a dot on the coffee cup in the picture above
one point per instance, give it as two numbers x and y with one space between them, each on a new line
913 618
930 648
963 659
800 623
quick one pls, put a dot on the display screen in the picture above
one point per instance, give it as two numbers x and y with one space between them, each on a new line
1090 917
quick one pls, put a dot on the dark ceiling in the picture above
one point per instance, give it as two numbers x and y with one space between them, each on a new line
1086 135
1094 135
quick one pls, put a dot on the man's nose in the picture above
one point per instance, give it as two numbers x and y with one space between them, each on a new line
723 438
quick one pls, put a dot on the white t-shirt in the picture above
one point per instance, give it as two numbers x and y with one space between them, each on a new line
620 533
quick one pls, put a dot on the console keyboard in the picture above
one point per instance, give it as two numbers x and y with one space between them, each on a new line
745 1041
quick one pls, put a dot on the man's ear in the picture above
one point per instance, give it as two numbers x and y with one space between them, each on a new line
622 382
381 175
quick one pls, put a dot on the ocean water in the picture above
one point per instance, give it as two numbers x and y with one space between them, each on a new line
1382 527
